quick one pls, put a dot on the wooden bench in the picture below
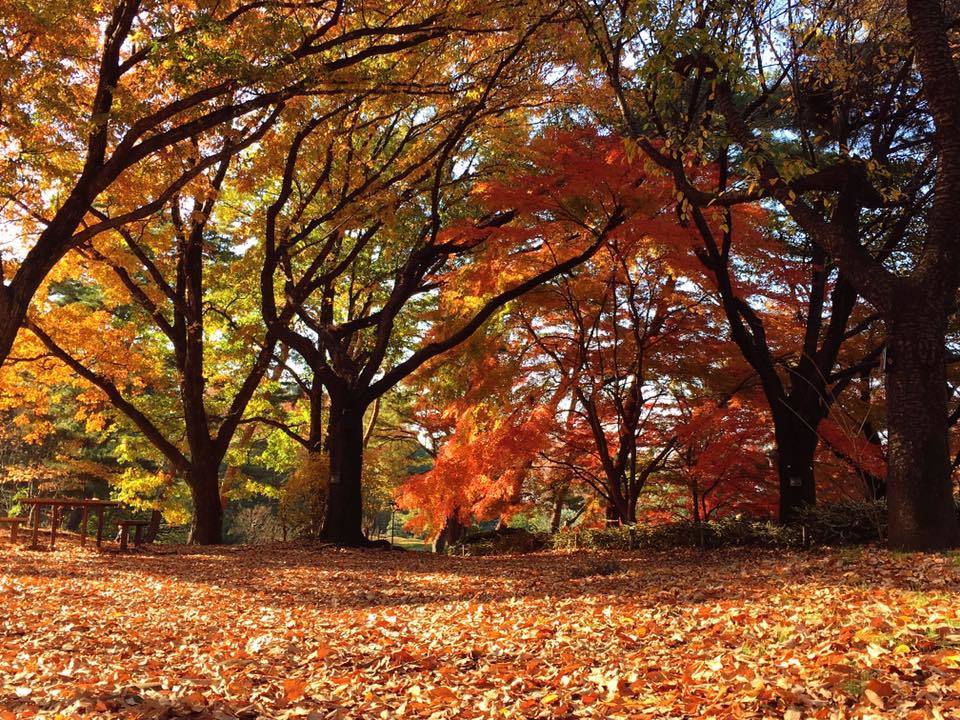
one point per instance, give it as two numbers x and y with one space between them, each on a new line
14 523
138 526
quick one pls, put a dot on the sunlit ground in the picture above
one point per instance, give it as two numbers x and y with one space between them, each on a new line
281 632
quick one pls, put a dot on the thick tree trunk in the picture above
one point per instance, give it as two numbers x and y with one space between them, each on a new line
343 524
453 531
207 528
52 244
12 316
632 498
796 446
153 529
921 514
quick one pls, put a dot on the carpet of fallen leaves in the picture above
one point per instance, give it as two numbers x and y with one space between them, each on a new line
286 632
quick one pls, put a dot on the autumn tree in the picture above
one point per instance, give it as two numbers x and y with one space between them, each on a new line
173 273
339 55
669 118
368 341
147 82
374 269
560 377
722 455
58 437
613 331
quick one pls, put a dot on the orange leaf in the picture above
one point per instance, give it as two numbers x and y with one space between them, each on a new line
293 689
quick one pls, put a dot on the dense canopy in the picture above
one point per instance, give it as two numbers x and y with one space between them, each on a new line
281 269
657 297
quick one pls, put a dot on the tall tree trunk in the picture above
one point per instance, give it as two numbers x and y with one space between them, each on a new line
52 244
12 315
797 441
343 524
632 501
207 528
921 513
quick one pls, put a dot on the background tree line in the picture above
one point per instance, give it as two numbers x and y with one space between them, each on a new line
687 258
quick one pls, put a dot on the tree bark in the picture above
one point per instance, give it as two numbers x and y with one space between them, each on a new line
797 441
453 531
343 524
207 527
921 513
153 529
557 516
52 244
616 515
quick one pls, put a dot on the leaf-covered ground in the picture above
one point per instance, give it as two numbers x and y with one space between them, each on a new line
280 632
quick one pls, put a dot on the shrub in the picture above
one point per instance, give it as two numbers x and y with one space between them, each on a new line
303 497
611 538
727 532
845 523
500 542
255 524
855 522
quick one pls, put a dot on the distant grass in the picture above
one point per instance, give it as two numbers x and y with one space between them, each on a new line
407 543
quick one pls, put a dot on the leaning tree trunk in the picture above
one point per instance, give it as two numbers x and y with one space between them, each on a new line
11 320
921 513
453 532
343 524
207 528
153 529
796 441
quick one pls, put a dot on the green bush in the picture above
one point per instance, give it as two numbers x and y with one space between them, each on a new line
611 538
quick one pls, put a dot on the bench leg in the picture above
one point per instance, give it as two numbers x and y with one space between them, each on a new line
83 525
138 536
99 527
123 537
54 519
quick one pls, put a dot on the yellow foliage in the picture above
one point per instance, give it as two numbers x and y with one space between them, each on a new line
154 491
303 497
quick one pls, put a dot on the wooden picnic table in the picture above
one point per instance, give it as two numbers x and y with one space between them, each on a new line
57 506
